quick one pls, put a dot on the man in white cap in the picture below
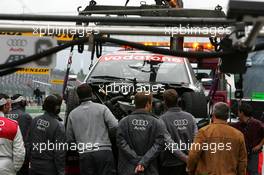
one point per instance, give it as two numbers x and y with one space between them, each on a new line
12 150
8 104
24 120
19 114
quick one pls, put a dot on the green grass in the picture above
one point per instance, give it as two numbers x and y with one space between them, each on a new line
35 111
38 109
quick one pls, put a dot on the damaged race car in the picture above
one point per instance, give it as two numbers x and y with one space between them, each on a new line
117 77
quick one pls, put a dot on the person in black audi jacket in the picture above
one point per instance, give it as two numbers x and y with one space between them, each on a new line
47 135
140 139
182 127
24 120
19 114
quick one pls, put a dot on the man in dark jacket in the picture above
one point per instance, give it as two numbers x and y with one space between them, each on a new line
140 138
24 120
253 131
46 138
19 114
38 95
182 128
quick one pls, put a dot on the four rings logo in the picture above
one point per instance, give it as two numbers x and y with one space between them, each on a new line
13 116
43 123
137 122
2 123
180 123
17 42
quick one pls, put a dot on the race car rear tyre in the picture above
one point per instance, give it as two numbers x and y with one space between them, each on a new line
194 103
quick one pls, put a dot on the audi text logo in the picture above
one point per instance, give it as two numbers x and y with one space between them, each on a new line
182 122
137 122
2 123
16 42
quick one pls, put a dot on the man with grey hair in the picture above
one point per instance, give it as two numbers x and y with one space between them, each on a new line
218 148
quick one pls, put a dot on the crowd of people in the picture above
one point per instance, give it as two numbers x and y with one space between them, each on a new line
170 144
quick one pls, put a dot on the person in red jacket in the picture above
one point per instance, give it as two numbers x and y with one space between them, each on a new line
12 150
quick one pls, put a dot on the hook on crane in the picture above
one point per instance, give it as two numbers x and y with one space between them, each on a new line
92 3
218 8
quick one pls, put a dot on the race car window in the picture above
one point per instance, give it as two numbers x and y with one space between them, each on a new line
158 69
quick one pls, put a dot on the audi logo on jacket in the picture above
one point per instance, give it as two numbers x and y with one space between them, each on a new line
47 130
12 150
140 138
182 127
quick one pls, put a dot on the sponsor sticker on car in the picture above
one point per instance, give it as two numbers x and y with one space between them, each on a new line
144 57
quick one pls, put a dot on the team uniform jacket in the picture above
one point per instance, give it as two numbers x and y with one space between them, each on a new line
12 150
182 128
140 138
24 120
47 130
